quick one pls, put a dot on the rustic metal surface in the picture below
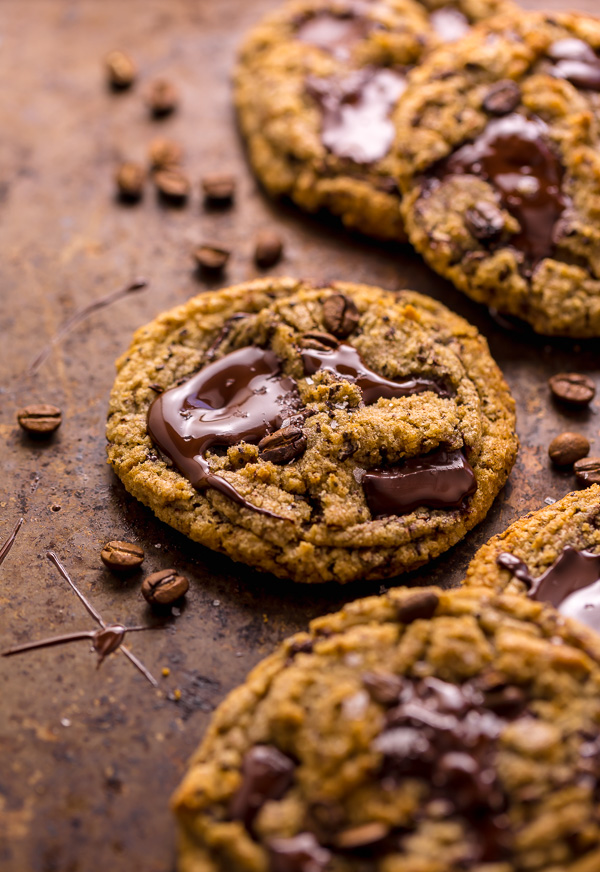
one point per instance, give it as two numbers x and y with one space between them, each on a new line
89 758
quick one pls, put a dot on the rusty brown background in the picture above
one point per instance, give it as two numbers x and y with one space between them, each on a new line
89 758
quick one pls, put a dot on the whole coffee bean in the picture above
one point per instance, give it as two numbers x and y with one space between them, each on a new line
218 188
172 185
283 445
165 154
120 70
565 449
268 248
502 98
130 179
361 836
484 221
164 587
162 98
211 258
588 470
318 341
416 606
40 419
122 556
340 315
572 388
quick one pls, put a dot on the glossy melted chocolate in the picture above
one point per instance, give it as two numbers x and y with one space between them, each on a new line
514 154
576 61
449 23
356 112
336 34
241 397
571 584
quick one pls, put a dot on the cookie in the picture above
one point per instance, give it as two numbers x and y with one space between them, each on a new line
315 87
420 731
318 433
552 555
499 155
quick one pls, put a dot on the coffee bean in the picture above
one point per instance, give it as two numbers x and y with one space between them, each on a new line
130 179
318 341
165 154
572 388
484 221
218 188
211 258
361 836
340 315
565 449
172 185
164 587
502 98
120 70
283 445
588 470
162 98
268 248
122 556
40 419
417 605
383 687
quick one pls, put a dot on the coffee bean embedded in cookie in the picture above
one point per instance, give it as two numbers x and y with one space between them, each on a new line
130 179
340 315
266 775
577 62
588 470
572 388
164 587
120 70
122 556
40 420
268 249
282 446
162 98
318 341
485 221
301 853
503 97
567 448
418 606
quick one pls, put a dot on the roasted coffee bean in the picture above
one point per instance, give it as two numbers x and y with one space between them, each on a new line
165 154
340 315
122 556
361 836
418 605
172 185
40 419
565 449
130 179
120 70
572 388
319 341
218 188
211 258
283 445
484 221
588 470
162 98
268 248
502 98
164 587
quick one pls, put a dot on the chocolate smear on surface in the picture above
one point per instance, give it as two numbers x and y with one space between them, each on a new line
449 23
266 774
440 480
575 60
241 397
10 541
515 155
571 584
336 34
356 112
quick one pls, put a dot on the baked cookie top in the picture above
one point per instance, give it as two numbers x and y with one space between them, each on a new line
318 433
420 731
315 87
499 156
552 555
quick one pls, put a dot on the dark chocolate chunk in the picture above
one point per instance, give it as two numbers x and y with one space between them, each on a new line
266 774
421 605
301 853
577 62
383 687
485 221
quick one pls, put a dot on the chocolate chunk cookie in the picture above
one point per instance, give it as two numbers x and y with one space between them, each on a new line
499 149
318 433
315 88
552 555
466 737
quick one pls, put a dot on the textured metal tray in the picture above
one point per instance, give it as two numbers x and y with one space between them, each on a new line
89 758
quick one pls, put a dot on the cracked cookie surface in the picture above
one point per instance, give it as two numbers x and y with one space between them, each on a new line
420 731
321 434
315 87
499 164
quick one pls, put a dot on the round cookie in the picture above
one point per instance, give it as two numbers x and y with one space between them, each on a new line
315 87
318 433
499 152
420 731
552 555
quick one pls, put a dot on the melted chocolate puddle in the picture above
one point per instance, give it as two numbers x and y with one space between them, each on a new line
448 23
336 34
576 61
514 154
241 397
571 584
356 112
10 541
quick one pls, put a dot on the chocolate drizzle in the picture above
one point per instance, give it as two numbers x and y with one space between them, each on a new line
336 34
514 154
571 584
241 397
449 23
575 60
440 480
356 112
